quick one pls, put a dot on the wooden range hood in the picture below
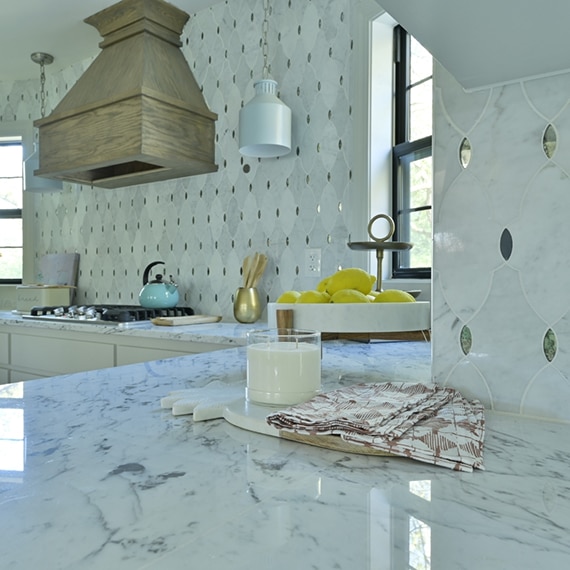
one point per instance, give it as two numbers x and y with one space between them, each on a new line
137 114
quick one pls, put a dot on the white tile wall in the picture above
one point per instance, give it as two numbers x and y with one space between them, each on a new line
203 226
513 300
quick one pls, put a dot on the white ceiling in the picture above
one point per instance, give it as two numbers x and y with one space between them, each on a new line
489 42
481 43
55 27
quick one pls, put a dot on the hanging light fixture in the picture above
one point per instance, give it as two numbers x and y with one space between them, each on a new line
33 183
265 122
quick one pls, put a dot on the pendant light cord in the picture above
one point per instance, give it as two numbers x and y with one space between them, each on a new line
42 90
42 59
264 45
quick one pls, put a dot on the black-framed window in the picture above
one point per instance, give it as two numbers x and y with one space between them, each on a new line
412 156
11 199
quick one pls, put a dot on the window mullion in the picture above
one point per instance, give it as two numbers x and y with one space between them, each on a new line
407 157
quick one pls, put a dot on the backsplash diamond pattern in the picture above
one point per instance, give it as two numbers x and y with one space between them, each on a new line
202 227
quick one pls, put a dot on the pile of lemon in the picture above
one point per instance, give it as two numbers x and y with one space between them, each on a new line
351 285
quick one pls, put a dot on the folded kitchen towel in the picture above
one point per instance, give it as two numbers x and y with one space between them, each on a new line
427 423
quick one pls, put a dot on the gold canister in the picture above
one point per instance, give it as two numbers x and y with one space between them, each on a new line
247 306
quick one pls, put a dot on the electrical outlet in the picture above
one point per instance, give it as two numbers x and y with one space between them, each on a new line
312 262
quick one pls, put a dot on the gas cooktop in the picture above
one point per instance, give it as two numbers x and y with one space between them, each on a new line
121 315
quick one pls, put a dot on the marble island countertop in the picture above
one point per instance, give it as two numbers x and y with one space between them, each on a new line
227 333
95 475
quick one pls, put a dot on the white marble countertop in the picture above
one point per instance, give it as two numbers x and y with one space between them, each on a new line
227 333
94 475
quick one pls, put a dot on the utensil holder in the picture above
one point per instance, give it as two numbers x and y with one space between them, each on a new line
247 306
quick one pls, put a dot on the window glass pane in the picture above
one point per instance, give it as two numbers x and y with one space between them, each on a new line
420 111
421 62
414 220
11 232
11 263
11 248
11 198
10 193
420 236
420 182
11 161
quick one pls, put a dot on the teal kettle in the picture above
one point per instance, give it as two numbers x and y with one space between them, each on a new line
158 294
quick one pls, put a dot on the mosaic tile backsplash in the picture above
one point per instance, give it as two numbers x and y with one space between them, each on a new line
202 227
500 302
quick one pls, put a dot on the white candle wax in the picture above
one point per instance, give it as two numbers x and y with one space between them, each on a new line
283 372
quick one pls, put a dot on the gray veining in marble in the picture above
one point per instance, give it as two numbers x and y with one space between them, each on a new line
110 480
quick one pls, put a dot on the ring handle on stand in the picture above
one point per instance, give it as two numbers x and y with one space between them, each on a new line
390 231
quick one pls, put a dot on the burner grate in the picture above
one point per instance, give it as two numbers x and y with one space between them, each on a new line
110 313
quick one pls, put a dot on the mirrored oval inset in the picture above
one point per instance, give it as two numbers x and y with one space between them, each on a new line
506 244
466 340
550 345
549 141
465 152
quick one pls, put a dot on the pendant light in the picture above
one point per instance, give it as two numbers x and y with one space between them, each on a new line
265 122
33 183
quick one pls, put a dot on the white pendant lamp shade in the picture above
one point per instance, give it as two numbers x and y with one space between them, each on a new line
33 183
265 123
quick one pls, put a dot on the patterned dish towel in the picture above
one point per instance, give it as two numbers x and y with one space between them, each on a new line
427 423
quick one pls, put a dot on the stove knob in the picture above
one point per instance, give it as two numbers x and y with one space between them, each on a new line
90 313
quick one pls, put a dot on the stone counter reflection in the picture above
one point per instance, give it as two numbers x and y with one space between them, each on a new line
110 480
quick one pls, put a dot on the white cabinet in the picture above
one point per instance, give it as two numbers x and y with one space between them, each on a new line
38 352
58 356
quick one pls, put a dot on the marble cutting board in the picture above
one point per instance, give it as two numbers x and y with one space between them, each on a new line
246 415
218 400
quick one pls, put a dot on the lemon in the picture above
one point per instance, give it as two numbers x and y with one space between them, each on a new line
350 278
394 296
322 286
289 297
313 297
349 296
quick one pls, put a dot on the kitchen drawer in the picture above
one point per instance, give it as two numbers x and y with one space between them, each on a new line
54 356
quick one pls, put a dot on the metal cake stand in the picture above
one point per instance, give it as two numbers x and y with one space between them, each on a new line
380 245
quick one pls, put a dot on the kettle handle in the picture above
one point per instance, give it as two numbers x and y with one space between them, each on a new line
148 268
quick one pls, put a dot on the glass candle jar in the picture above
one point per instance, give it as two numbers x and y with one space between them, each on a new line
283 366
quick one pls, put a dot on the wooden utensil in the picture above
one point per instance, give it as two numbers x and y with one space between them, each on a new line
245 270
252 269
258 269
